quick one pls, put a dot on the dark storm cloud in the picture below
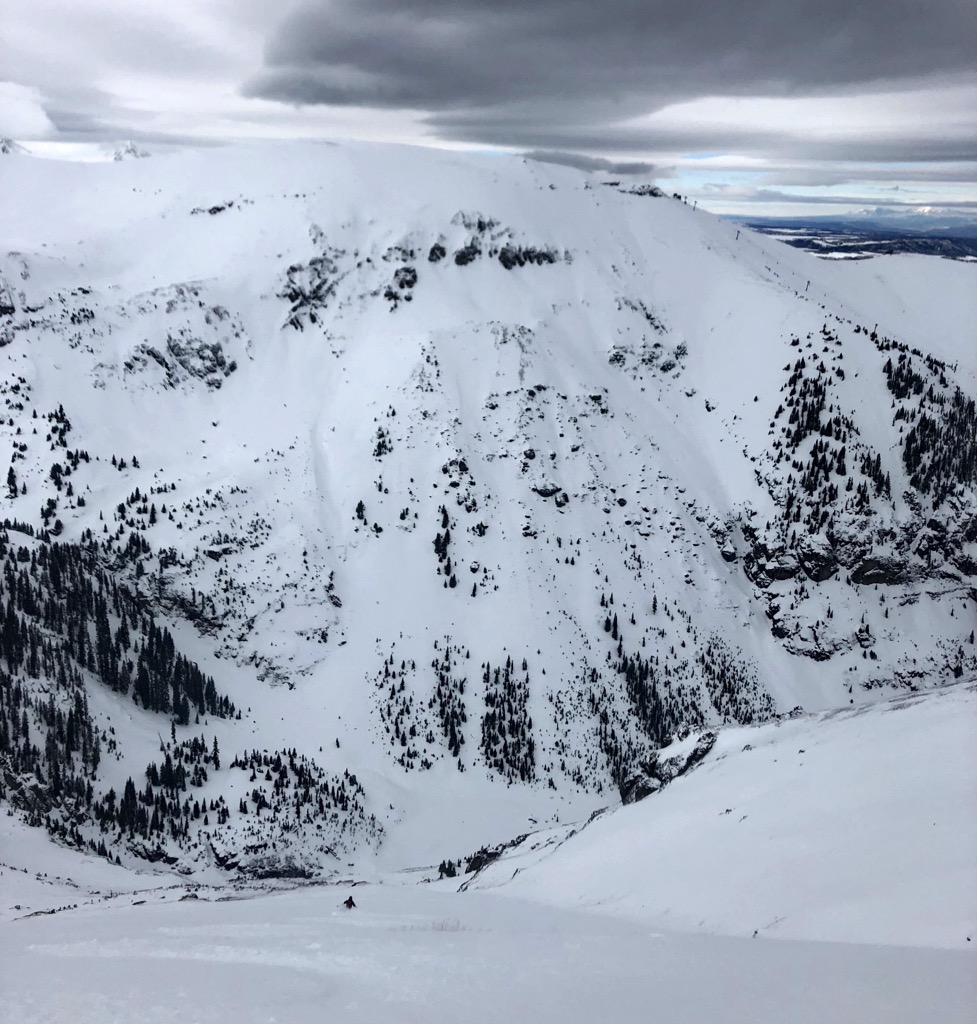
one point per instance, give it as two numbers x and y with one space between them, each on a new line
776 93
524 64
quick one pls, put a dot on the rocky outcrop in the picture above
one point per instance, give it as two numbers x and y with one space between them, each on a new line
25 792
655 774
185 358
817 559
888 571
547 490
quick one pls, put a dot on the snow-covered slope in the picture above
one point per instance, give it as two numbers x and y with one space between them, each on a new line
422 955
467 482
850 826
419 955
847 836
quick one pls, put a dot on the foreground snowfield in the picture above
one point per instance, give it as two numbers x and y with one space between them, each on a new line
852 828
416 954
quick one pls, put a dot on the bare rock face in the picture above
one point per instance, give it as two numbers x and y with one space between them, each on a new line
658 773
888 571
818 561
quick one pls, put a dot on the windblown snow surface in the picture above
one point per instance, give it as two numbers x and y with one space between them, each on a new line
488 495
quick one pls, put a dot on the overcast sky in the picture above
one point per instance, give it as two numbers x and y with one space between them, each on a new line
834 104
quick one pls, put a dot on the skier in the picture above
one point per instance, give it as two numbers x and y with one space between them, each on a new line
348 903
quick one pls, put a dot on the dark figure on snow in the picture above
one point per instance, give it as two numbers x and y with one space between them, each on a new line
348 903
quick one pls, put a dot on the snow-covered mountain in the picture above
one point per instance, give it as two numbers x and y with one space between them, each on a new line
367 503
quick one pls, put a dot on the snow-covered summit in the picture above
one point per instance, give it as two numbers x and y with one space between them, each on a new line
129 151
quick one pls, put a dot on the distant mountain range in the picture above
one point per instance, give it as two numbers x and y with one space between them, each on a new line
873 235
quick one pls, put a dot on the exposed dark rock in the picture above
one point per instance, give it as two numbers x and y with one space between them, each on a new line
755 572
275 867
468 253
818 564
153 854
475 862
814 653
656 773
218 553
887 571
781 567
487 854
653 191
966 565
310 288
518 256
186 357
27 794
639 786
405 277
864 637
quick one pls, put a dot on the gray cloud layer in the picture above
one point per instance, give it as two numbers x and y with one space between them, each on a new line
778 93
880 147
499 71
